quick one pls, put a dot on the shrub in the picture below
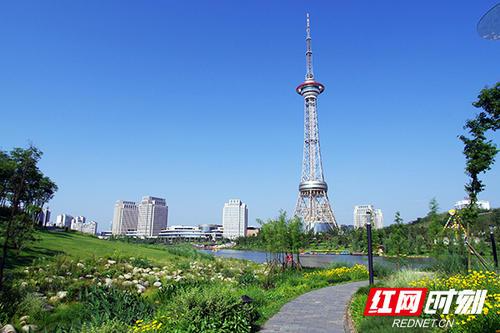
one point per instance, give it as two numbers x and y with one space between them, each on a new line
32 306
210 309
111 303
112 326
247 278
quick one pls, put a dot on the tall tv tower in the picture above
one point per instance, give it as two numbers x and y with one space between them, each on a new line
312 205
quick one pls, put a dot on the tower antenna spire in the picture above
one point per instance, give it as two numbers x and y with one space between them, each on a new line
309 65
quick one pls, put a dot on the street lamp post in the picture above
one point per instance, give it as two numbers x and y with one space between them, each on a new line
493 245
370 254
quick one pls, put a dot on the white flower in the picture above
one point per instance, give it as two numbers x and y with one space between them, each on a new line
108 282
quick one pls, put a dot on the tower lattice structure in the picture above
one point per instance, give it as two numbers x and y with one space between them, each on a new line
313 205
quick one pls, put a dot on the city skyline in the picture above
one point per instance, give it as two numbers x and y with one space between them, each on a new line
139 83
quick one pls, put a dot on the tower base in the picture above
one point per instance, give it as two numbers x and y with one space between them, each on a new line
315 210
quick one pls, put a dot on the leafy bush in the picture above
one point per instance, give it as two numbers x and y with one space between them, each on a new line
211 309
170 289
247 278
112 326
32 306
111 303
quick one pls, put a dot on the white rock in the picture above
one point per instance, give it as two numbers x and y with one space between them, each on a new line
24 319
29 328
127 283
140 288
111 262
127 276
8 329
157 284
54 299
108 282
80 265
62 294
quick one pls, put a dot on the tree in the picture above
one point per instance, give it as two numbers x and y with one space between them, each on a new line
283 237
23 191
478 150
398 239
435 226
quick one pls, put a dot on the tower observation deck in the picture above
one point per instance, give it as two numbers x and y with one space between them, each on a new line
313 205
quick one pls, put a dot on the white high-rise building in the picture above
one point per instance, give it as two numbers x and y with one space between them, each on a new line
361 216
44 217
234 219
85 227
63 220
481 204
153 216
125 217
77 220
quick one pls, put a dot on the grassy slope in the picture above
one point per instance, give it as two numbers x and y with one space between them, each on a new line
82 246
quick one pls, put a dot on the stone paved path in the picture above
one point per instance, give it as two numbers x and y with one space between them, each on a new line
318 311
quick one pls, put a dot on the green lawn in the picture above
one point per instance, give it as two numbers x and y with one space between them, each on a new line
77 245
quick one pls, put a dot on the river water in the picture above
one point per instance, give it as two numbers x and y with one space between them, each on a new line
323 260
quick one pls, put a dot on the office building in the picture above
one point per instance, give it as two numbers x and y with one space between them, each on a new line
362 216
63 221
77 220
234 219
153 216
481 204
44 217
85 227
203 232
125 217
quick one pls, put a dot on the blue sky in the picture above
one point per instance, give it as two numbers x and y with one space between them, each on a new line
194 101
